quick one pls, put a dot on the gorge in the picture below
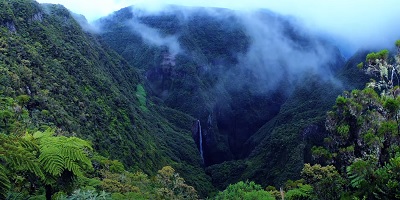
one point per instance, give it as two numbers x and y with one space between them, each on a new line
220 95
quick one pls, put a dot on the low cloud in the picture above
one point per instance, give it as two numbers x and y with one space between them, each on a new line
282 52
152 36
351 24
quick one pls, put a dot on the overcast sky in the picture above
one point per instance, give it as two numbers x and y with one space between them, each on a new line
358 22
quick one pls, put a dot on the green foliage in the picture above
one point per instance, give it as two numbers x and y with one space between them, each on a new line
244 190
60 76
172 186
89 194
320 154
61 153
359 173
364 139
5 183
55 74
41 155
17 156
392 105
362 124
383 54
116 167
397 43
14 118
116 186
388 72
274 192
340 100
303 192
387 129
129 195
23 99
374 182
343 130
166 185
141 95
360 65
325 181
388 180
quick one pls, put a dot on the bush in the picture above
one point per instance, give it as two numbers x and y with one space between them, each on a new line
244 190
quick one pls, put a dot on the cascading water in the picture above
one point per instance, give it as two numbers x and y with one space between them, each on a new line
200 140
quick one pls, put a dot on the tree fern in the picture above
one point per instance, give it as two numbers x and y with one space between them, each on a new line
62 153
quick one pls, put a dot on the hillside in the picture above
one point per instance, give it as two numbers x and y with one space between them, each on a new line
83 88
255 103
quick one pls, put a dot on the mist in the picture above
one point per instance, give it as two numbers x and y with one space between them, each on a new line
352 25
275 54
280 48
153 37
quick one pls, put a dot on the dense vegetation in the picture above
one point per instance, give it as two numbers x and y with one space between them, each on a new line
46 164
77 121
70 82
360 157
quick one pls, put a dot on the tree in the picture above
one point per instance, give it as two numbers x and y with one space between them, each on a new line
172 186
303 192
54 161
325 181
362 124
244 190
61 158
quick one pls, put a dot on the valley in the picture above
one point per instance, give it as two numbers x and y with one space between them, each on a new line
187 103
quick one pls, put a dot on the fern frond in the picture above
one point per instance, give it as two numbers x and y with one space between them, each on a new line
45 134
51 161
20 154
63 153
5 183
72 166
29 145
75 154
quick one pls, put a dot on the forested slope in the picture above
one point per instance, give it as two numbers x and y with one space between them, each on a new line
82 88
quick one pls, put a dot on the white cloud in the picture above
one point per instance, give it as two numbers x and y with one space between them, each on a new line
152 36
92 9
358 23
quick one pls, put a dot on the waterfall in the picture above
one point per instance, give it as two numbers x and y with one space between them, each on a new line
200 140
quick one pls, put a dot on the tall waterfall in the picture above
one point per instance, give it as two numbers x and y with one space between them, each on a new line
200 140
